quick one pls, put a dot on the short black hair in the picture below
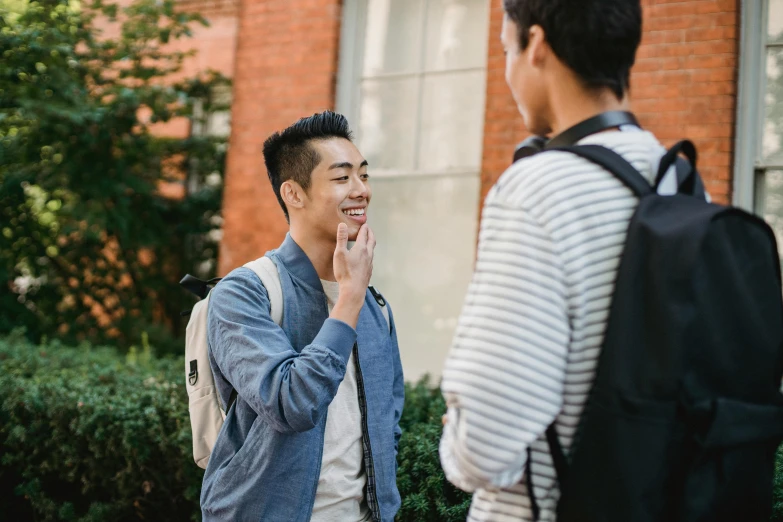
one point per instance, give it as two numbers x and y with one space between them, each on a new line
289 154
597 39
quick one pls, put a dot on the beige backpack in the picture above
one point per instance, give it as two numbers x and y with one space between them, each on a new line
206 412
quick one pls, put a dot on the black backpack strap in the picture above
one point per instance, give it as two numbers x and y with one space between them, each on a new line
731 422
615 164
529 483
377 295
382 303
598 123
197 286
689 181
558 455
231 399
682 147
558 459
529 146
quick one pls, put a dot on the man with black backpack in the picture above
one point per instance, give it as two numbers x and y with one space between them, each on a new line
620 351
314 397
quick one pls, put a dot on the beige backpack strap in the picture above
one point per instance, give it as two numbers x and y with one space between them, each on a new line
266 270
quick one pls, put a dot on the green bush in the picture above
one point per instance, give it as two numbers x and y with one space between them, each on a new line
426 494
90 248
90 435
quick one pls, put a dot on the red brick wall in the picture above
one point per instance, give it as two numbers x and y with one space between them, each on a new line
210 8
215 45
683 86
215 48
503 127
286 65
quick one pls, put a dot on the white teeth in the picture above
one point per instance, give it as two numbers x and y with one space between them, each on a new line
354 212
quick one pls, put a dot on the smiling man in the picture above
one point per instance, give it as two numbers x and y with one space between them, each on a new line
313 432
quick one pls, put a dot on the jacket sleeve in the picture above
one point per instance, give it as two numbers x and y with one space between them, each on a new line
291 390
503 378
398 389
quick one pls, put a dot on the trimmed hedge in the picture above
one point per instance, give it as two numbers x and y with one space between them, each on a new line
426 494
90 435
87 435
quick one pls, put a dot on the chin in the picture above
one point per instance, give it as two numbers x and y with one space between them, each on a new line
353 232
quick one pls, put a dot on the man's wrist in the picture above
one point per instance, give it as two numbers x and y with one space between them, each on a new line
351 296
347 309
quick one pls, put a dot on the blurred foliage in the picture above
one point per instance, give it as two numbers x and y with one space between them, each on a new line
87 434
426 494
90 435
90 245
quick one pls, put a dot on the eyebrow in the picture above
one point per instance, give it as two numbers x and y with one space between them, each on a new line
346 165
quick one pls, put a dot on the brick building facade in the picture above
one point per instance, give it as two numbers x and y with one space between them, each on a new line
693 78
286 57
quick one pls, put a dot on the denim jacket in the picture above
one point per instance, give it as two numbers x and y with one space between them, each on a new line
267 459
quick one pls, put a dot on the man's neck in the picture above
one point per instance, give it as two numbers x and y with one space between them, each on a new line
319 251
571 104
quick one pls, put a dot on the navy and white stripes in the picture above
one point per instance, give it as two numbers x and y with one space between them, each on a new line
527 342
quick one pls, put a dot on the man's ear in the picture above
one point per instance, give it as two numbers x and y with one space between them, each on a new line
537 48
293 195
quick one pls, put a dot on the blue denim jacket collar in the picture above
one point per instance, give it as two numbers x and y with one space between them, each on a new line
297 262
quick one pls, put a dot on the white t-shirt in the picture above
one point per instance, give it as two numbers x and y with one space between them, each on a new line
340 494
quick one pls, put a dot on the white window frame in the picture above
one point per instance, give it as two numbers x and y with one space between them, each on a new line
749 164
350 77
350 80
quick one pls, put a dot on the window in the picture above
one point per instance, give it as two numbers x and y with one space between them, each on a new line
412 82
212 120
758 175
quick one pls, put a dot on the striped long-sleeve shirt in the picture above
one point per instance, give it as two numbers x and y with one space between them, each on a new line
528 338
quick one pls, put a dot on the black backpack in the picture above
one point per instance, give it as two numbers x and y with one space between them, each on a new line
686 413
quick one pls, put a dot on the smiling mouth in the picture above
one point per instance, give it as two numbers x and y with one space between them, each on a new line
354 212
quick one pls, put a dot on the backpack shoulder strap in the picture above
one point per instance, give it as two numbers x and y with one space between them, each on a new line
196 286
689 181
382 303
266 270
615 164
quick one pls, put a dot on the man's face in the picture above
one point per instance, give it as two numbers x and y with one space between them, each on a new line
339 189
525 79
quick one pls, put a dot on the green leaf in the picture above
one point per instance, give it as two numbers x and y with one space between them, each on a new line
81 170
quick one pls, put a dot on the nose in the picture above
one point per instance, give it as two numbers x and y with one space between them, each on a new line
359 188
